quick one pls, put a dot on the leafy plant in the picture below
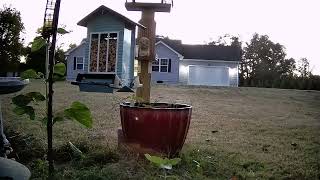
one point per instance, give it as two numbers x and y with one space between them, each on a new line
24 104
163 163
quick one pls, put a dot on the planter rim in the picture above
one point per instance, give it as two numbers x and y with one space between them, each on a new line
182 106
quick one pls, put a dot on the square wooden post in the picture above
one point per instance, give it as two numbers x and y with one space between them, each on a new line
147 19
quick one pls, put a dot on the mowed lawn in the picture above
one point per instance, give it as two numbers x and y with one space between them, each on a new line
248 133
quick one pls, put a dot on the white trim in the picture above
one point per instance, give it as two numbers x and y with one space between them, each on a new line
71 50
179 55
159 65
209 60
116 63
79 63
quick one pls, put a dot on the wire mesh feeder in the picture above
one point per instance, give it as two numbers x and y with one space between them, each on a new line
103 83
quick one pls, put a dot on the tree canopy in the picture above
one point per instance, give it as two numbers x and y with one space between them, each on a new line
11 46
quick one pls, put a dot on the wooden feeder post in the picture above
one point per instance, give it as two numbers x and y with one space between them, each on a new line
146 37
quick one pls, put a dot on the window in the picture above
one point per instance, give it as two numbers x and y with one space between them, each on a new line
78 63
103 52
161 65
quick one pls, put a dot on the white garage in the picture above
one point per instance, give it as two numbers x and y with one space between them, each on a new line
208 75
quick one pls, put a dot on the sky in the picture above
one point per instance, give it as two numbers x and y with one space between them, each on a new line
292 23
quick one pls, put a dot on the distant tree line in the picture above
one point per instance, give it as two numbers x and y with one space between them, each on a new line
265 64
12 49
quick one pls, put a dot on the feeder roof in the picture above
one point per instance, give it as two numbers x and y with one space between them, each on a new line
103 10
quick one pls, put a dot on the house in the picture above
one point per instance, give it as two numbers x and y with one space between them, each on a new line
108 47
195 64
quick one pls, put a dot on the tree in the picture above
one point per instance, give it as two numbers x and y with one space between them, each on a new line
71 46
59 56
10 42
304 67
261 61
225 40
36 57
286 67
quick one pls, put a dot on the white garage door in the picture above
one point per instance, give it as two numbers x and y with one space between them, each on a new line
208 75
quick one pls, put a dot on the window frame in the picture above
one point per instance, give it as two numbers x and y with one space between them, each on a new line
159 65
89 60
79 63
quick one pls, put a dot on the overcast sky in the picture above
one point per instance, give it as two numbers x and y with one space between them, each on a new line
292 23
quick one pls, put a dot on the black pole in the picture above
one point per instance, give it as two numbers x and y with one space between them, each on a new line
50 89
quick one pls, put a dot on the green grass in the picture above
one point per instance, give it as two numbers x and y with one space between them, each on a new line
250 133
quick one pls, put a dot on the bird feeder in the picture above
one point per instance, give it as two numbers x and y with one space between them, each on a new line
109 52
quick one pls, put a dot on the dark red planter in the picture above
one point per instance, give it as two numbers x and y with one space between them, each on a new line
161 127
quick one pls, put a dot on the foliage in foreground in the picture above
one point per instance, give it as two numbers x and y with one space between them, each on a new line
195 164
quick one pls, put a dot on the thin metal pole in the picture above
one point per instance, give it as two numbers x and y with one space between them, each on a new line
50 89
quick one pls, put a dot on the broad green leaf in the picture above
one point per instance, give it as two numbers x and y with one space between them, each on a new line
29 74
60 69
19 110
36 96
155 159
21 100
37 43
25 110
163 163
57 119
80 113
174 161
30 112
62 31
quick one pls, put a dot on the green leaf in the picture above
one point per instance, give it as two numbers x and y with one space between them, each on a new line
62 31
25 110
80 113
30 112
155 159
174 161
57 119
19 110
36 96
163 163
29 74
37 43
60 69
21 100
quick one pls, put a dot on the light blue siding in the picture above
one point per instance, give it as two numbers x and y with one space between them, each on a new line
106 23
78 52
125 47
171 77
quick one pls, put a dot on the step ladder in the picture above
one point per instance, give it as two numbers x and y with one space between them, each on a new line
48 19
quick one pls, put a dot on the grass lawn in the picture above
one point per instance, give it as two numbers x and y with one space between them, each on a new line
250 133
